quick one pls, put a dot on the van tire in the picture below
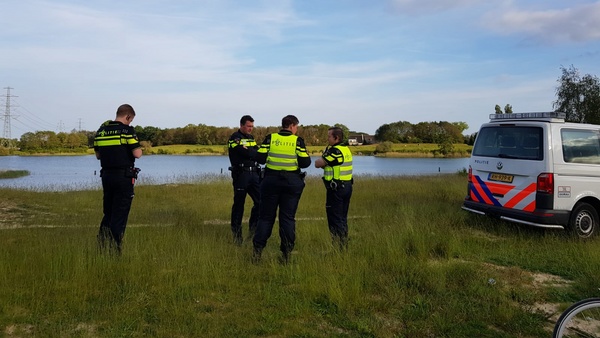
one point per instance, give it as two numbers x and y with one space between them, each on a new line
584 221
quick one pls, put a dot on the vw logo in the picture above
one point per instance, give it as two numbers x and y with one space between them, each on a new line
499 165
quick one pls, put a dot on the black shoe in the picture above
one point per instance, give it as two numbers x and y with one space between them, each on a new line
340 243
285 258
256 255
237 239
344 244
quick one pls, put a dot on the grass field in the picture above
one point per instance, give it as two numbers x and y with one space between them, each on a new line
417 266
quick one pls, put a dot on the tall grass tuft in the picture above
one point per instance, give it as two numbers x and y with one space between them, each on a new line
416 266
13 173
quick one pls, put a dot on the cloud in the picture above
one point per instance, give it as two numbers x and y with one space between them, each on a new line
423 7
573 24
360 64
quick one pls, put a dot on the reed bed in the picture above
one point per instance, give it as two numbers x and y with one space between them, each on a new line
416 266
13 173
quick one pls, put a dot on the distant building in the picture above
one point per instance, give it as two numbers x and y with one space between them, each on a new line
358 139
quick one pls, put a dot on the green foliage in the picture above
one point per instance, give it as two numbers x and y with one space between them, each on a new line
13 173
201 134
445 145
417 265
384 147
6 145
578 97
414 150
422 132
48 141
4 151
345 131
399 132
498 110
146 145
314 134
470 139
507 109
179 149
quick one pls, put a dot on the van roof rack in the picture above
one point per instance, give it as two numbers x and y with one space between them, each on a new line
546 116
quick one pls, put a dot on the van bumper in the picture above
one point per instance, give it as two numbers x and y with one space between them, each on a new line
549 219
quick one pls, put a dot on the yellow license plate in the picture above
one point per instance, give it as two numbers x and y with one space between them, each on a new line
501 177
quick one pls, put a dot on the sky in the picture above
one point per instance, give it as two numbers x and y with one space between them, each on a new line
361 63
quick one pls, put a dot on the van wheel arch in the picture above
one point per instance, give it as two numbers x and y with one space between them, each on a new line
584 221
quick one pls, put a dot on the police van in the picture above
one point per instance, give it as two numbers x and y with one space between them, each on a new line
537 169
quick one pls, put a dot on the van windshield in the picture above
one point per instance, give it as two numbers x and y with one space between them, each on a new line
516 142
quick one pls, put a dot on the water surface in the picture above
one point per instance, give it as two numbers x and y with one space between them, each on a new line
62 173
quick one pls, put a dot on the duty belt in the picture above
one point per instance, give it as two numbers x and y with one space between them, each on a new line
272 172
113 169
243 167
335 184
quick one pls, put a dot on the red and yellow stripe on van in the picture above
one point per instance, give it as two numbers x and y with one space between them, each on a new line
503 195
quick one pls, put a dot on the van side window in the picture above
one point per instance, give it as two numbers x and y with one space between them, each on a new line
515 142
581 146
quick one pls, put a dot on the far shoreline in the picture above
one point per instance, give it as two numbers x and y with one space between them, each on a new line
397 150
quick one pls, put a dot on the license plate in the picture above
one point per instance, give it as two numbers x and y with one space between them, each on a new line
501 177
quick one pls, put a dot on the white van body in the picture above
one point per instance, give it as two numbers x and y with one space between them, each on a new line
537 169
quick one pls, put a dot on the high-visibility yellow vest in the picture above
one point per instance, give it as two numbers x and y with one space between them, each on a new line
115 142
341 172
116 139
282 153
248 142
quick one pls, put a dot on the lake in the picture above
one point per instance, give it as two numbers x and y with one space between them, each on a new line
64 173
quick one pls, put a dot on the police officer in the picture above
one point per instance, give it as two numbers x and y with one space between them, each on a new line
245 173
117 147
284 154
337 176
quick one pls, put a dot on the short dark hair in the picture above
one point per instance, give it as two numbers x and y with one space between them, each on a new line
245 119
338 133
125 110
289 120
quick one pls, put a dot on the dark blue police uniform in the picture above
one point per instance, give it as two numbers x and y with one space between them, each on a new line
115 142
245 174
284 155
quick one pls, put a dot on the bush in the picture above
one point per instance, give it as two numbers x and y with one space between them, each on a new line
384 147
146 144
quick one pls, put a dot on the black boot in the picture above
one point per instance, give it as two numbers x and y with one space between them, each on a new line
285 257
256 255
237 238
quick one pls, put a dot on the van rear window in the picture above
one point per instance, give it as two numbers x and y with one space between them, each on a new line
510 142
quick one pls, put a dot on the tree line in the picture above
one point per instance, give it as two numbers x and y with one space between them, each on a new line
201 134
422 132
577 96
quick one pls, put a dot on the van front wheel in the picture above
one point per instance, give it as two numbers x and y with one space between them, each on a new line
584 221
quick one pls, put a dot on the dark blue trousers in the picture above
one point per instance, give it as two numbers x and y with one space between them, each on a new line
118 195
244 183
336 206
283 191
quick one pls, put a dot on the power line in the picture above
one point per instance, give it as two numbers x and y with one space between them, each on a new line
39 122
26 121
